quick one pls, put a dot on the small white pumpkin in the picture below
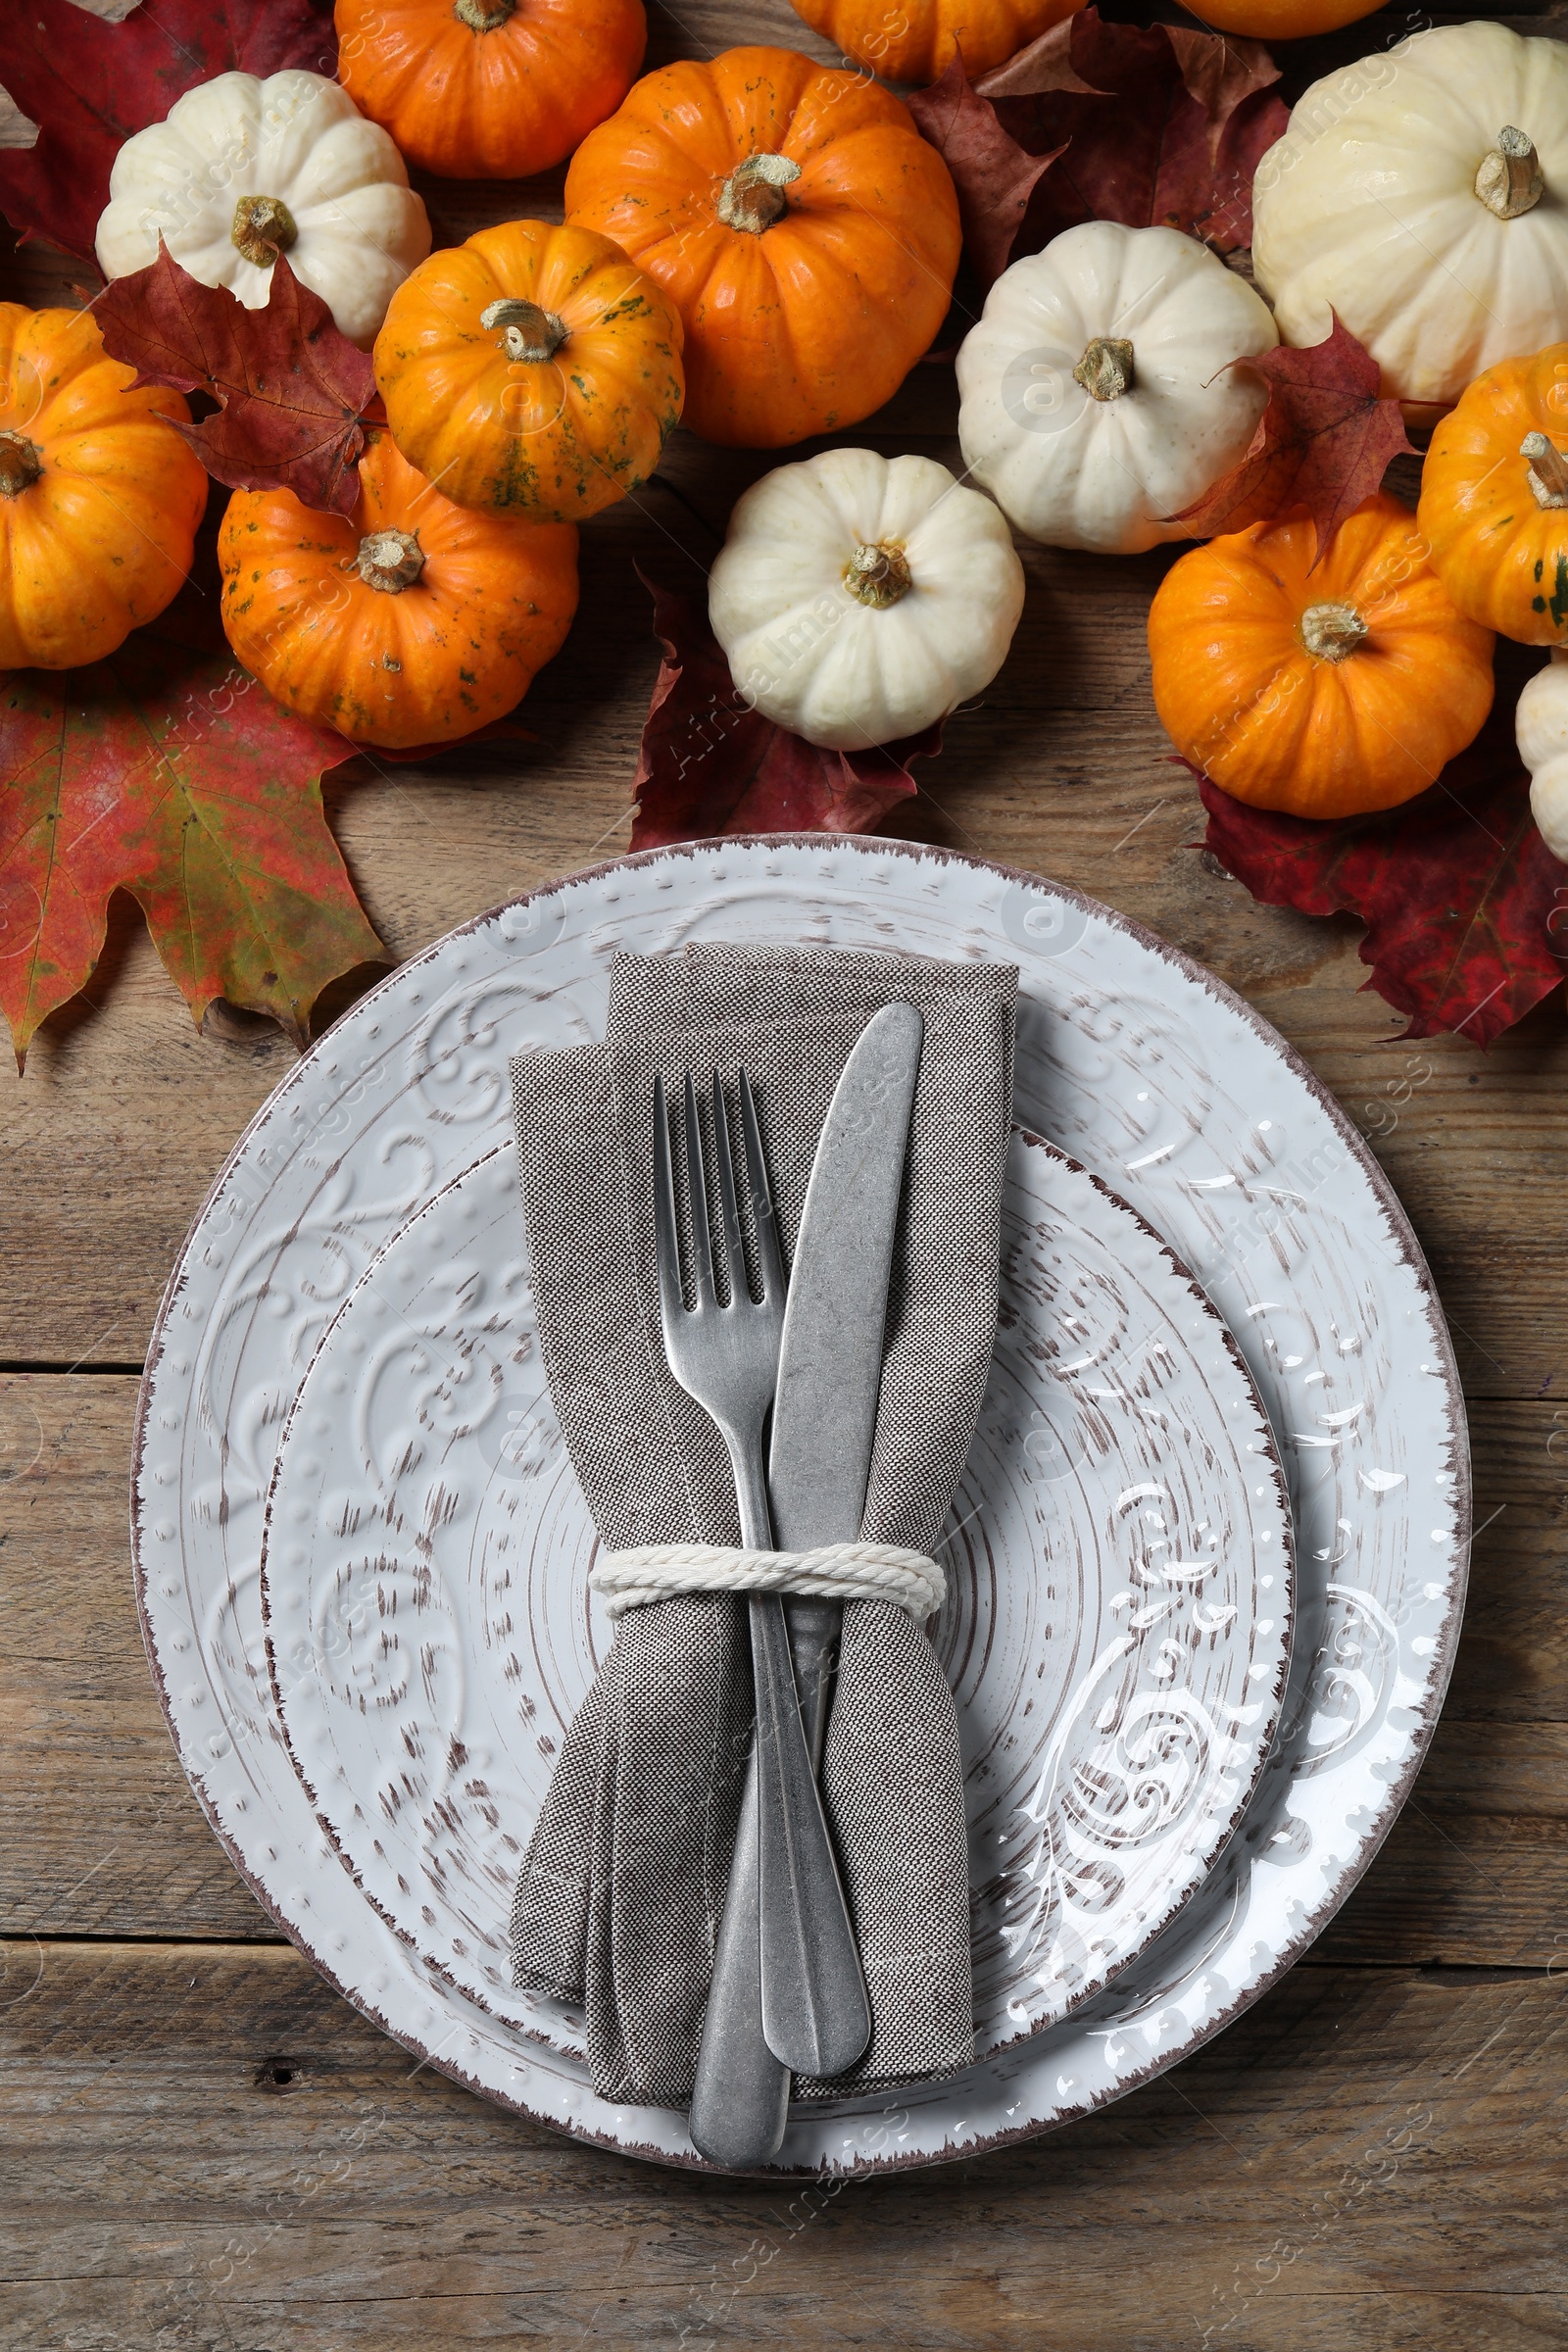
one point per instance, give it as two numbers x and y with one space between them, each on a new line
859 597
243 169
1423 195
1541 730
1096 399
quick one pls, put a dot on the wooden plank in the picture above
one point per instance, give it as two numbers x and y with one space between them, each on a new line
104 1838
203 2147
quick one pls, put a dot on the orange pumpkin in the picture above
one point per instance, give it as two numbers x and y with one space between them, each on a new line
99 500
488 89
534 371
1325 688
1284 20
804 230
409 621
915 42
1495 499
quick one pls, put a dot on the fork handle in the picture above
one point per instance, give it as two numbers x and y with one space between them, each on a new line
740 2104
816 2015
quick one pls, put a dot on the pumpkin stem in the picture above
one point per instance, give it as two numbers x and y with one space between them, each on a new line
753 195
389 560
528 332
1546 469
264 228
1331 631
1105 371
1509 180
482 16
20 463
878 575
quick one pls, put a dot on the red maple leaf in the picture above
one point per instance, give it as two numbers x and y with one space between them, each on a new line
1322 444
993 175
89 85
167 771
711 764
1151 126
1465 906
292 389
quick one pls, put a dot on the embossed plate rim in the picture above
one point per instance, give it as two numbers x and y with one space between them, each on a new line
618 2128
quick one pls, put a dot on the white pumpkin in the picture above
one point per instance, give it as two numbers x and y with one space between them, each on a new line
1423 195
242 168
859 597
1096 399
1541 730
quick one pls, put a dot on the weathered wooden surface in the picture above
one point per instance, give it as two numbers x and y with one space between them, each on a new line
203 2147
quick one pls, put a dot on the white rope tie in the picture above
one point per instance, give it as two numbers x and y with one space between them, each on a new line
631 1580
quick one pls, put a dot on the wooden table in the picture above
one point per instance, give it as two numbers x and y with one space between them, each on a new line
205 2147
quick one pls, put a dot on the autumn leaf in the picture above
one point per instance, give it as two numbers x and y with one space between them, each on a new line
167 771
1463 901
292 389
1150 126
712 764
1322 444
993 175
88 86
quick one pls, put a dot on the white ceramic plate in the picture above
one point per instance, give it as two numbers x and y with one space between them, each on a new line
1133 1059
1117 1628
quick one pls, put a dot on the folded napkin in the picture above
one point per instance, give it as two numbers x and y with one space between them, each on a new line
621 1890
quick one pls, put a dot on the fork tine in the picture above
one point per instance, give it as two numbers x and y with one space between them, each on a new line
740 1288
769 1263
666 1237
697 1195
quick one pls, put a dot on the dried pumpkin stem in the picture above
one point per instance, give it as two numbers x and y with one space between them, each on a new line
527 332
20 463
753 196
1509 180
391 561
878 575
483 16
1546 469
1332 631
264 228
1105 371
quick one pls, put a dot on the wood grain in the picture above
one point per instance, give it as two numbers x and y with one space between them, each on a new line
202 2146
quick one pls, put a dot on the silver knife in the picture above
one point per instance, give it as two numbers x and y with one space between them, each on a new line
825 1421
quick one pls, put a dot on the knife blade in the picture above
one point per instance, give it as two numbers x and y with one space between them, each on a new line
824 1423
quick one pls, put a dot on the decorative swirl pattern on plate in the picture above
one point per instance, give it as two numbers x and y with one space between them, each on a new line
1133 1059
1117 1634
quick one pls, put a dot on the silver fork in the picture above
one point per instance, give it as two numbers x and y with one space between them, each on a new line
726 1357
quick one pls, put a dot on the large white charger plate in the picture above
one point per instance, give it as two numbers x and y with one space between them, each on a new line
1116 1632
1133 1059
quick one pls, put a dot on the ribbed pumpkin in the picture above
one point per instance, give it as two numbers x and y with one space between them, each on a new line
488 89
1284 20
532 371
1495 499
99 500
915 42
1326 691
804 230
409 621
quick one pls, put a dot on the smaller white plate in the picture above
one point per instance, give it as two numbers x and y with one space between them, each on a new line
1116 1633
